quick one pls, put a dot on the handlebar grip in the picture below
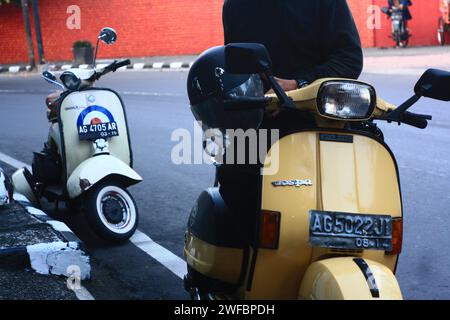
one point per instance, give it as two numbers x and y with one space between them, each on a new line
121 64
414 120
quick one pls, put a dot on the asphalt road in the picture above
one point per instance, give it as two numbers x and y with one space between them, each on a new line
157 104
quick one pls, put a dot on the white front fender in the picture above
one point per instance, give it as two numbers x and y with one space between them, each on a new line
91 171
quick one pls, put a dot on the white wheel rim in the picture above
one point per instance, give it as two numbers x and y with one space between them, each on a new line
129 209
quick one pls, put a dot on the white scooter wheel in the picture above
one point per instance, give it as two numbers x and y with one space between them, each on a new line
111 211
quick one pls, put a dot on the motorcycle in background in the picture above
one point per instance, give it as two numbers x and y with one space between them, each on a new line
443 23
87 160
400 33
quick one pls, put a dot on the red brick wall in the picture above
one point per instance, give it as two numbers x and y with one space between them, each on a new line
167 27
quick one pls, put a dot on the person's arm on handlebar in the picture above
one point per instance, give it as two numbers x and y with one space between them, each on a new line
339 39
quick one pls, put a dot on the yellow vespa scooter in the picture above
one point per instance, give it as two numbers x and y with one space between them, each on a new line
330 220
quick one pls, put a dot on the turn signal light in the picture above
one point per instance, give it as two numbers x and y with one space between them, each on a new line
270 229
397 236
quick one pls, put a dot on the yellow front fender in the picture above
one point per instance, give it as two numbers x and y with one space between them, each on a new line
349 278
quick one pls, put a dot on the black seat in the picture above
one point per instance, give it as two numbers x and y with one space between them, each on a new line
211 221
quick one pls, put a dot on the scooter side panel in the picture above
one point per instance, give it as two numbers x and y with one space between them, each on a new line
358 176
278 273
213 261
75 150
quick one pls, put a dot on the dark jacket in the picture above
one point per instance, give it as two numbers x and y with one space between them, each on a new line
306 39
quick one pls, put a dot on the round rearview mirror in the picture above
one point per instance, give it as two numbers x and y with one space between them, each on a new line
108 35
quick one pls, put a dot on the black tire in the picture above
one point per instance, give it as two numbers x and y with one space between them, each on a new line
115 225
441 32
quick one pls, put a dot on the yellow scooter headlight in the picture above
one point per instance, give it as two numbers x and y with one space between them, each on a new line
346 99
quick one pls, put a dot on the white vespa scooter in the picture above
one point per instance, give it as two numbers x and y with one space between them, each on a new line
87 161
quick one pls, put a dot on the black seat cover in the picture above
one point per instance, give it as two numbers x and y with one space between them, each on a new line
211 221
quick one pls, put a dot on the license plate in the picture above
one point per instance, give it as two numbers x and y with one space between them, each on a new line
98 131
350 231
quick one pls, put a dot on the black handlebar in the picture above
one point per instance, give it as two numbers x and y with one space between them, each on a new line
416 120
121 64
112 68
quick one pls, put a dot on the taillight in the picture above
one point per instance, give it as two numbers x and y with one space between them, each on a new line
270 229
397 236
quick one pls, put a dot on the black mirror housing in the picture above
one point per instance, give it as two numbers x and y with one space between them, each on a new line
434 84
108 35
247 58
49 75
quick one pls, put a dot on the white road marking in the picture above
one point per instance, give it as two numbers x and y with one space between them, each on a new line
158 65
14 69
139 66
176 65
59 226
83 294
66 67
13 162
159 253
33 210
150 94
131 93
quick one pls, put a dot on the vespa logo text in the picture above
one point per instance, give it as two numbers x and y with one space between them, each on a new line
293 183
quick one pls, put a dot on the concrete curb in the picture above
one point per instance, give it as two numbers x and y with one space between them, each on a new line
135 66
62 254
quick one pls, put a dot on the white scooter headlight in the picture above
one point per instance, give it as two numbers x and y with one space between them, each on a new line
70 80
346 99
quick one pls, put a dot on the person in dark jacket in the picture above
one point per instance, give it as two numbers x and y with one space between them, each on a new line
402 4
307 40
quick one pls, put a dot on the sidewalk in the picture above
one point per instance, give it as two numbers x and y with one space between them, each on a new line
35 251
409 61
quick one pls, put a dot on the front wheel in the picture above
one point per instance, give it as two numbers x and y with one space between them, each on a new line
111 212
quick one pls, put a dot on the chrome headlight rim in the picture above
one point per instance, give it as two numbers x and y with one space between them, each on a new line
370 110
76 85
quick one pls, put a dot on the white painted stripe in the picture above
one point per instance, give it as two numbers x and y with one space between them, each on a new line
150 94
20 197
66 67
158 65
176 65
34 211
124 68
28 68
13 162
83 294
12 91
59 226
101 66
14 69
84 66
138 66
159 253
